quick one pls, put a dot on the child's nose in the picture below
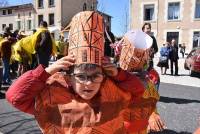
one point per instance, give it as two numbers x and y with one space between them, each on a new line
88 82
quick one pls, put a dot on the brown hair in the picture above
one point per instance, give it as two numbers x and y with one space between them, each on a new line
149 24
83 66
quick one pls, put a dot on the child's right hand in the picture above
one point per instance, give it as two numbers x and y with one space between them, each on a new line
155 123
63 63
109 68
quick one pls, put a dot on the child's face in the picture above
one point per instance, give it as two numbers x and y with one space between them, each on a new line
86 83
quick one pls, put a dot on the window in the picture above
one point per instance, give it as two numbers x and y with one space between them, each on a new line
148 12
108 19
11 26
40 4
9 11
29 24
94 5
29 14
51 19
51 3
40 18
84 7
18 25
3 26
196 39
172 35
4 12
18 16
174 11
197 9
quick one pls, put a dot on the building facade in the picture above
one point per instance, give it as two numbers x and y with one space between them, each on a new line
20 17
58 13
178 19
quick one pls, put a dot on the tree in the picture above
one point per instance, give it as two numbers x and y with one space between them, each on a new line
3 3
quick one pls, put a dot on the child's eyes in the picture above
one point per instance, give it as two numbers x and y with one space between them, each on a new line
81 77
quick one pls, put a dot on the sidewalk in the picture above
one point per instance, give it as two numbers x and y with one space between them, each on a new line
183 79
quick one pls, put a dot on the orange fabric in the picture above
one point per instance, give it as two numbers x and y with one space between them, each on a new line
137 116
136 126
59 111
86 37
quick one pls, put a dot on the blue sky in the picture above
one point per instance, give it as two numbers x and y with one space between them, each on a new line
118 9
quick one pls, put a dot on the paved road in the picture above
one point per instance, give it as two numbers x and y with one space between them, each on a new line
14 122
179 106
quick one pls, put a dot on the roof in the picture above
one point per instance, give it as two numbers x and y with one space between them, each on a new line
104 14
28 5
67 26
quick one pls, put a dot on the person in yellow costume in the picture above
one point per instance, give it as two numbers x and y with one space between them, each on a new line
61 47
1 38
36 44
22 56
5 49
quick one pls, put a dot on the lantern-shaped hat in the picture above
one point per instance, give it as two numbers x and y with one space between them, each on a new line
135 50
86 37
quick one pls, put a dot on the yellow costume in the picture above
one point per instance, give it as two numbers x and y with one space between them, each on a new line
34 41
28 43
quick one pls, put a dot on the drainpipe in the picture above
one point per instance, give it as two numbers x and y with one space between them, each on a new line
24 19
157 20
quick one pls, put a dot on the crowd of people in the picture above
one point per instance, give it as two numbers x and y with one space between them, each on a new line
20 52
169 52
85 91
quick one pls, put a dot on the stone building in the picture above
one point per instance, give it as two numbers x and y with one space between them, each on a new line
179 19
19 17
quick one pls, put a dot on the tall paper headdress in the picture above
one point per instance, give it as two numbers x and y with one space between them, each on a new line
86 37
135 50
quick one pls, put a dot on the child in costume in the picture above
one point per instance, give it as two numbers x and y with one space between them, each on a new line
90 98
133 50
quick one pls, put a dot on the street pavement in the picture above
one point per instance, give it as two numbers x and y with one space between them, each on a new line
179 106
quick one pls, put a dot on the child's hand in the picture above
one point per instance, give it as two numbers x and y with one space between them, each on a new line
155 123
109 68
63 63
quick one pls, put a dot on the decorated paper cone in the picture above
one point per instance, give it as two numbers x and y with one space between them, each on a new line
86 37
135 48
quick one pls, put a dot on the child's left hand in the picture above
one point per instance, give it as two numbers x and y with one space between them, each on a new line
109 68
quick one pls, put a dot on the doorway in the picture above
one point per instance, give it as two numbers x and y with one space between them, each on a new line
172 35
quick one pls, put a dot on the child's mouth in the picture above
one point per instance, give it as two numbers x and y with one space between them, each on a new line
88 91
